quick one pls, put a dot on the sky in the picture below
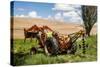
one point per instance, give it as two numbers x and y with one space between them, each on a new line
51 11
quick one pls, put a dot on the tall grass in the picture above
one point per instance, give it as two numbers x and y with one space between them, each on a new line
22 56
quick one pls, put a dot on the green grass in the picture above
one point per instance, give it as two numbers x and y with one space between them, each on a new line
22 56
20 46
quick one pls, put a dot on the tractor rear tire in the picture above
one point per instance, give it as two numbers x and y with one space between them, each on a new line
52 44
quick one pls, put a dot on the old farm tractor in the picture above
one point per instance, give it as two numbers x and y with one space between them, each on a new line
51 42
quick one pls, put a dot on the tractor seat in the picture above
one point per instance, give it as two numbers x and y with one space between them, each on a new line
64 38
49 34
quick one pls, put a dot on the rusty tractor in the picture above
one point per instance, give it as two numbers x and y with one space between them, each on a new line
52 42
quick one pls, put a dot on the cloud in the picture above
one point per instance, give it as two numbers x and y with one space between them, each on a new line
21 16
70 13
65 7
75 6
58 16
77 19
32 14
62 7
66 17
72 16
50 17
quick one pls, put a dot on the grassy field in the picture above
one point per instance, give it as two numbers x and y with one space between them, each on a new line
22 56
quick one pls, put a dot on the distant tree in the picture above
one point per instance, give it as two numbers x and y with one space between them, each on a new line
89 16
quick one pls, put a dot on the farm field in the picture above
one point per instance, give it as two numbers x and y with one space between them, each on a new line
22 56
21 49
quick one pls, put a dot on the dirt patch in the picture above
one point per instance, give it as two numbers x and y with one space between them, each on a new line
64 28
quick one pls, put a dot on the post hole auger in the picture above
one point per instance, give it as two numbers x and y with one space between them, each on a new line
74 37
83 44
